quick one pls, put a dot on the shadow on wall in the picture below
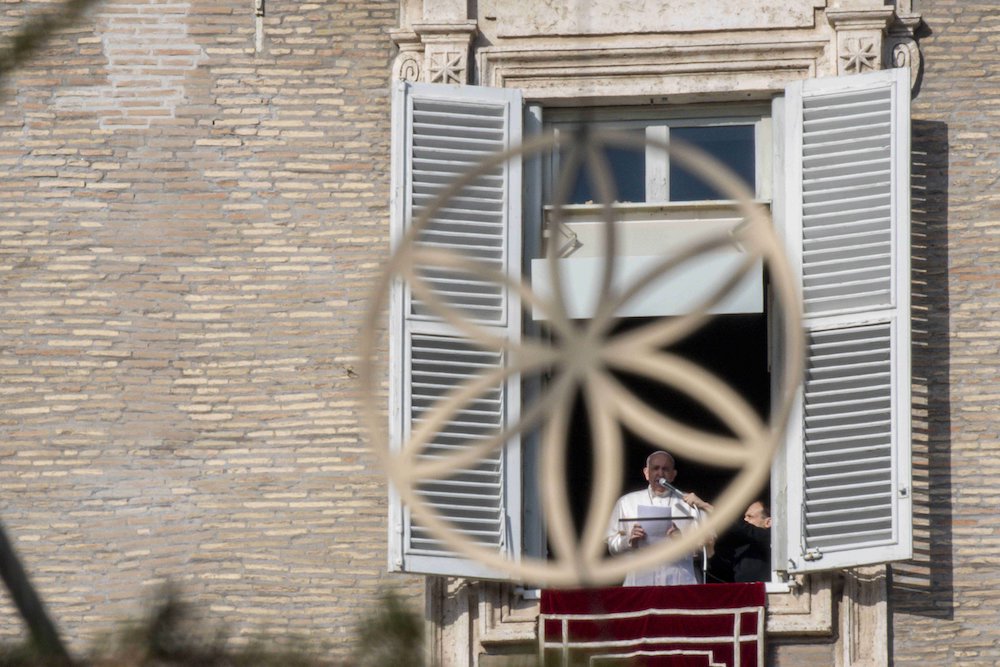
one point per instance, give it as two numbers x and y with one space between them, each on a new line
924 585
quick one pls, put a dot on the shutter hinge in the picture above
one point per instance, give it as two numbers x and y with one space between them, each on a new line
903 492
812 554
793 581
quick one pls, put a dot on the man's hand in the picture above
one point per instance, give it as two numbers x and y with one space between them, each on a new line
694 501
636 536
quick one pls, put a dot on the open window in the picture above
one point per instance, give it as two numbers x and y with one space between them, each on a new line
840 197
662 208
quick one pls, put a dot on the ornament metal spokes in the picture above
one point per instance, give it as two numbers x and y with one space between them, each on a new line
580 359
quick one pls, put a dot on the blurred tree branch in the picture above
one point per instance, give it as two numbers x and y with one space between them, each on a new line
37 30
33 35
44 636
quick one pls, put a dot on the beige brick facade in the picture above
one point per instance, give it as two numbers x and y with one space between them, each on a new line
188 228
944 604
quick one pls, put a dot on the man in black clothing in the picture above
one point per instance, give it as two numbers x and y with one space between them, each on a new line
743 554
752 545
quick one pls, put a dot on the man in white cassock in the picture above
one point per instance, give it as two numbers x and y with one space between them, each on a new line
630 534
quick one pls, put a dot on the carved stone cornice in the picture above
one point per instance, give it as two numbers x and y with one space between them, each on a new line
453 30
408 65
871 39
859 19
404 37
698 71
860 38
907 22
437 52
901 48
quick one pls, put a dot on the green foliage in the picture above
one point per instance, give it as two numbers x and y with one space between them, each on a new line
24 655
172 634
392 635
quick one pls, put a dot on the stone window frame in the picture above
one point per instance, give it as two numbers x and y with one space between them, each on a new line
666 76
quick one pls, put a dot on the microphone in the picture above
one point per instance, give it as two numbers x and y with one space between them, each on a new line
673 489
670 487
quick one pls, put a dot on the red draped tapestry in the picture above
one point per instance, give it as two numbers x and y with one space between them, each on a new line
716 625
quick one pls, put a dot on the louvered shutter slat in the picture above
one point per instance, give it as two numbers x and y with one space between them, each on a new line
452 215
877 498
434 182
869 394
478 208
821 460
820 191
845 220
843 155
834 256
843 465
848 171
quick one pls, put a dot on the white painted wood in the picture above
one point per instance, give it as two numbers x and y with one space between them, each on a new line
677 293
441 133
847 476
646 234
657 165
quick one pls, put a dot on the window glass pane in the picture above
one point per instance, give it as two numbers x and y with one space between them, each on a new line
732 145
627 165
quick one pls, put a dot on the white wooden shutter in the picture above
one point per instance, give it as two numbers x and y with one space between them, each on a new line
847 226
441 133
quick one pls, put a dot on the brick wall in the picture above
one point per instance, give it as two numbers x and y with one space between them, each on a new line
945 602
187 232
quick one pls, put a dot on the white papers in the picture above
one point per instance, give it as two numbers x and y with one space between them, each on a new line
655 521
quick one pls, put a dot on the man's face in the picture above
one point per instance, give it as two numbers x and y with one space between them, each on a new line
659 466
755 516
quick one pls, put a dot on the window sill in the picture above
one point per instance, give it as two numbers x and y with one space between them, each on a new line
792 609
654 207
777 587
801 609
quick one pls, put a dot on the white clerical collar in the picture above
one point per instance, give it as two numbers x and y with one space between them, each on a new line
653 494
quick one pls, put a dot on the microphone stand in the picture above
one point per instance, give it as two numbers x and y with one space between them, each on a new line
697 513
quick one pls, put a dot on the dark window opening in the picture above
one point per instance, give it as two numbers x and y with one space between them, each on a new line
732 347
732 145
628 169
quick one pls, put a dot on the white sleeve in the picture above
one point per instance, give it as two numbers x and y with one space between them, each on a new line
617 538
